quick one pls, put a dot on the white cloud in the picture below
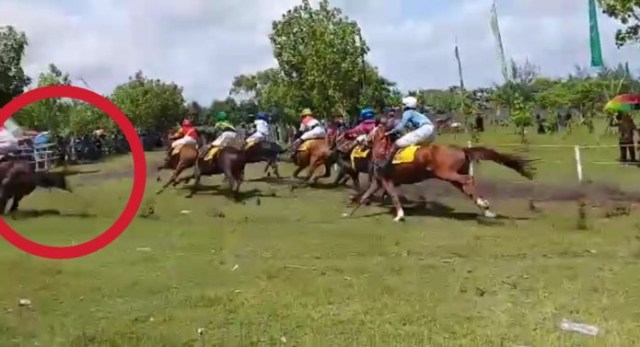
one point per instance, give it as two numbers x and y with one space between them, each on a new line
203 44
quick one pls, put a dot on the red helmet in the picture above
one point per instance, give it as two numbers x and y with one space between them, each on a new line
186 123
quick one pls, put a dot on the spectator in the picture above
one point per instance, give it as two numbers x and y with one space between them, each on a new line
626 129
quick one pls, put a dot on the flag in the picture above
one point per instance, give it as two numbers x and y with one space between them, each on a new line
594 37
456 52
495 28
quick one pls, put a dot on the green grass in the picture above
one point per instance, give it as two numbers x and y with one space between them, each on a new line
290 269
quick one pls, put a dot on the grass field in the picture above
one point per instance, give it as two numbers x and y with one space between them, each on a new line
282 268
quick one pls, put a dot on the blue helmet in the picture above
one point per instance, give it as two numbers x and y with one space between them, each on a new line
367 113
262 115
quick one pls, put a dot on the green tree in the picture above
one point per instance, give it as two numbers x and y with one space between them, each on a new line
628 13
49 114
13 79
320 53
150 103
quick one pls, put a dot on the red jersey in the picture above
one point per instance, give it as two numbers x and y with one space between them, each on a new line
363 128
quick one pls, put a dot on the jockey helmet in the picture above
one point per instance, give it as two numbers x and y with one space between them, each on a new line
262 115
221 116
306 112
187 123
409 102
367 113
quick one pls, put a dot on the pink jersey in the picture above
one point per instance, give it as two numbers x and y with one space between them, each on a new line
363 128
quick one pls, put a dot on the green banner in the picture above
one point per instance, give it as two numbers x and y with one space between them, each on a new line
594 37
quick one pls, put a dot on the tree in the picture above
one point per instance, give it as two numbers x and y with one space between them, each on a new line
319 52
13 80
150 103
628 13
49 114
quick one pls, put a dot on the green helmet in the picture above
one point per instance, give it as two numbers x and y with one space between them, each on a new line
221 116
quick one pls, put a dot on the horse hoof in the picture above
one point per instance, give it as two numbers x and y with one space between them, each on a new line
490 214
399 219
345 215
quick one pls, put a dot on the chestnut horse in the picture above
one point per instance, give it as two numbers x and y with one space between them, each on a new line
445 162
312 153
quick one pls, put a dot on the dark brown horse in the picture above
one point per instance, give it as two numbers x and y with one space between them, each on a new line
444 162
227 160
264 151
313 153
19 180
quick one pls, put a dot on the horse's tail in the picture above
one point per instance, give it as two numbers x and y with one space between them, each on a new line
521 165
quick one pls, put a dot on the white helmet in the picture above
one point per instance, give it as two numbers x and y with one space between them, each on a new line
410 102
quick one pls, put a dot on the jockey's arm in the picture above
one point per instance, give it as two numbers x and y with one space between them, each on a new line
402 124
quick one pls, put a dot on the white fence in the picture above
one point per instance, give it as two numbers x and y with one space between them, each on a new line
44 156
577 155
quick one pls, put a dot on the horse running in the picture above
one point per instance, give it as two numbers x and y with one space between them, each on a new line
444 162
19 180
227 160
312 153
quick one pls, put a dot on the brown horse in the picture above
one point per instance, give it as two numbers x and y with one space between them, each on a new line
264 151
227 160
444 162
313 153
19 180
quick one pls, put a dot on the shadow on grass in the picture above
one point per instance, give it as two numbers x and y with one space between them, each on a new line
243 195
28 214
436 209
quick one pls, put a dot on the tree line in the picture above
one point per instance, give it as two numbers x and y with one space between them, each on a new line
322 64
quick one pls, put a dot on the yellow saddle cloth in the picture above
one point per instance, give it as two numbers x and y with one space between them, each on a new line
211 152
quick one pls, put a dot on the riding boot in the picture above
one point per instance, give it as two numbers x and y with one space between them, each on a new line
294 148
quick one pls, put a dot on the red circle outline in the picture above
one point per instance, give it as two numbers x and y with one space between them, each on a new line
139 173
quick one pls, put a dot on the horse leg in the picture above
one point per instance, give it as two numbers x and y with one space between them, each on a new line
374 186
276 171
391 190
173 178
466 184
3 204
327 168
194 188
15 203
312 170
234 184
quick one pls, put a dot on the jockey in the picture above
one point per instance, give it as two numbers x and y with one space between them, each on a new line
310 128
366 125
189 135
262 129
228 131
423 128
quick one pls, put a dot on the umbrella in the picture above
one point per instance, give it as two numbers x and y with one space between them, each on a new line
623 103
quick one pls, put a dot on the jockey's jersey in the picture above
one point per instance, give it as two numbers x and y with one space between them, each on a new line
308 123
261 126
7 136
189 131
225 126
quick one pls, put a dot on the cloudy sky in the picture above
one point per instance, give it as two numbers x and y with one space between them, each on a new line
203 44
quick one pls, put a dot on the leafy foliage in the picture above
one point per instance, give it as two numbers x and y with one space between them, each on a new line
150 103
628 13
13 80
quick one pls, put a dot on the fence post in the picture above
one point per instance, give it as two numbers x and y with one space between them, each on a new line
471 162
578 162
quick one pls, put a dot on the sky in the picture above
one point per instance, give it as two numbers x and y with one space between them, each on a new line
202 44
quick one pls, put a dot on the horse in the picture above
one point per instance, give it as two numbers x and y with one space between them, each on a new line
313 153
449 163
226 160
264 151
19 180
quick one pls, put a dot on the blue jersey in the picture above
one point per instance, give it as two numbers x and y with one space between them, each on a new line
413 118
